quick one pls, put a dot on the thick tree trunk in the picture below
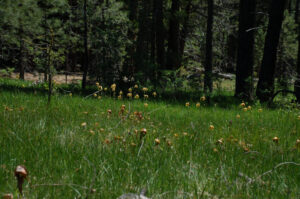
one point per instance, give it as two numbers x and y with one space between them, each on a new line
208 82
265 86
244 68
160 34
297 81
173 59
85 38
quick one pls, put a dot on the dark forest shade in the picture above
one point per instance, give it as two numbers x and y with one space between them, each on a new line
21 48
160 33
85 38
208 83
185 28
21 52
129 63
153 33
126 41
297 82
173 59
265 86
143 47
244 68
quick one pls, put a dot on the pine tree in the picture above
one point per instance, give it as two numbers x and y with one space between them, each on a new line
265 86
208 82
244 68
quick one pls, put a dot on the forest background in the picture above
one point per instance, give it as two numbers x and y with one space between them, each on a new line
162 44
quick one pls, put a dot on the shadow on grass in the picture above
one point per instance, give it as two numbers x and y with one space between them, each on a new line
220 99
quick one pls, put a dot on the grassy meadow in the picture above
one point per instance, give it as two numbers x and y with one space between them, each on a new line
92 148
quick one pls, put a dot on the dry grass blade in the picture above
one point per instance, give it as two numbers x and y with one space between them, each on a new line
277 166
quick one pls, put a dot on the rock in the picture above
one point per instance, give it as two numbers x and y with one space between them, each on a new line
134 196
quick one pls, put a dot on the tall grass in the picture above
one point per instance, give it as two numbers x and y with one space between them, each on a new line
74 148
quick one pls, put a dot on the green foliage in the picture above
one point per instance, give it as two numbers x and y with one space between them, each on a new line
7 72
259 44
288 48
121 38
107 39
19 22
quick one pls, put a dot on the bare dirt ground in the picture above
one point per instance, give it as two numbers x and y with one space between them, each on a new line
58 78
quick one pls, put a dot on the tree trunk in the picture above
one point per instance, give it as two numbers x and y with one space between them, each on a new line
85 38
173 60
160 34
297 81
232 42
185 28
265 86
244 67
144 37
153 32
231 53
49 76
129 63
21 54
49 65
208 82
21 49
45 53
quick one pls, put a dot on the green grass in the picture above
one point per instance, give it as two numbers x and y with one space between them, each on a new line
66 159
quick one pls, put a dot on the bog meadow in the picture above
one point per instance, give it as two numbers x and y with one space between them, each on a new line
161 99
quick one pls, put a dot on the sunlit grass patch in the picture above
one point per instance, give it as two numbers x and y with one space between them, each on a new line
113 146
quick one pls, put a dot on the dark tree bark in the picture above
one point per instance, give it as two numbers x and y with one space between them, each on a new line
185 28
21 43
49 64
160 34
153 33
173 59
129 63
265 86
290 5
144 37
297 11
232 41
44 7
244 67
208 82
231 53
49 74
297 81
71 57
85 38
21 53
